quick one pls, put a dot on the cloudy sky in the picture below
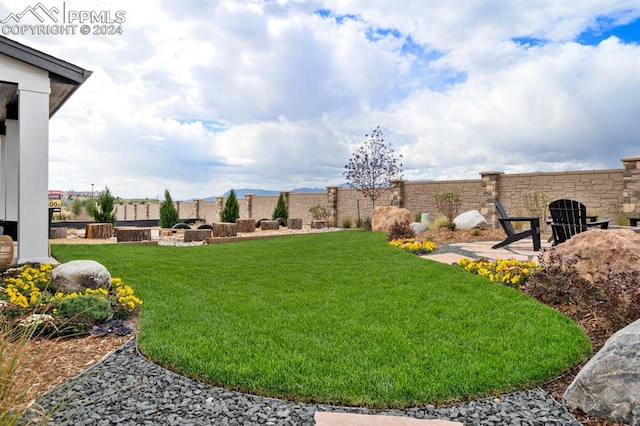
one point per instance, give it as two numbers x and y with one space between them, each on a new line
202 96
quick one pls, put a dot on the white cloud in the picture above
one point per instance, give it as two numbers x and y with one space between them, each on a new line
201 96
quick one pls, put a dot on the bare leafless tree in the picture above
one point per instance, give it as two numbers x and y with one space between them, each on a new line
371 169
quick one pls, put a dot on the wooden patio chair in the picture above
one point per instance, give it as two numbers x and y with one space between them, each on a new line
569 217
512 235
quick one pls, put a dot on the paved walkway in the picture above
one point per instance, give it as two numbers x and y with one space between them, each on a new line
520 250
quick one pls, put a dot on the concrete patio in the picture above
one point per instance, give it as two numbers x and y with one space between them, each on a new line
520 250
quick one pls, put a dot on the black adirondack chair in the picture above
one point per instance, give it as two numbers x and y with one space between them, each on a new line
569 217
512 235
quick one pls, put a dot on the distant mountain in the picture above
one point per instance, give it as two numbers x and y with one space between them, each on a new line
310 190
240 193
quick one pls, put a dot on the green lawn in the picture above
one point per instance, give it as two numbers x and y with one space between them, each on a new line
337 317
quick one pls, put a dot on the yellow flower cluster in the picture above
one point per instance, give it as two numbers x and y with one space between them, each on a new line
413 246
59 296
125 294
26 289
506 271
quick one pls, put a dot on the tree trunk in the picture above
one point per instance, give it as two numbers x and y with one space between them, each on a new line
224 229
246 225
56 233
101 231
294 223
196 235
269 225
133 234
318 224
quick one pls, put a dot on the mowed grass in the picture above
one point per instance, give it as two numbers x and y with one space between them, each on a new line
338 317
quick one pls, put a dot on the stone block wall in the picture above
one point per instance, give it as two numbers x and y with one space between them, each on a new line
134 211
607 193
153 211
631 185
298 204
208 211
349 201
263 206
418 197
599 190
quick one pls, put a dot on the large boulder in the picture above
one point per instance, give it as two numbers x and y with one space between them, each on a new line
596 252
418 228
470 220
608 386
79 275
385 216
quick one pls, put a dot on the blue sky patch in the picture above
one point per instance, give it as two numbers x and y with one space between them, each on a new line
606 27
211 125
327 13
528 41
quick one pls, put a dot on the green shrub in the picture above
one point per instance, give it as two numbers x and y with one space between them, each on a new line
90 206
366 224
281 209
92 306
168 213
104 213
231 211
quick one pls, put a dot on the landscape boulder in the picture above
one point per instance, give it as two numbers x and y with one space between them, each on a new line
595 253
384 217
418 227
470 220
79 275
608 386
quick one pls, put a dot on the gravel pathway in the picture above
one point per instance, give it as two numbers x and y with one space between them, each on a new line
447 248
125 389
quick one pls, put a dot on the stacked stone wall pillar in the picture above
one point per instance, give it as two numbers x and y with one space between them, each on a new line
219 208
249 202
631 186
490 184
332 203
196 208
397 193
285 194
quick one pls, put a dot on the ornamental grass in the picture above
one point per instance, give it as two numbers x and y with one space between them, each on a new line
19 373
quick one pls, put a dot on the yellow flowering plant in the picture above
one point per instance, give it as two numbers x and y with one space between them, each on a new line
511 272
413 246
25 290
125 295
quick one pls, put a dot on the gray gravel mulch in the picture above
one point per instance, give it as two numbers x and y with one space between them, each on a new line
126 389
